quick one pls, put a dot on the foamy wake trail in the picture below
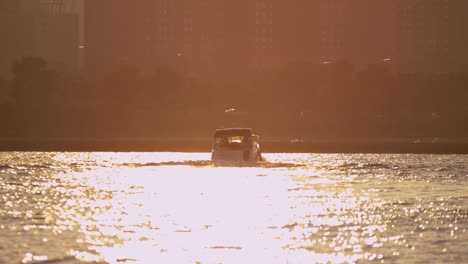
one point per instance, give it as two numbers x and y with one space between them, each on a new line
209 163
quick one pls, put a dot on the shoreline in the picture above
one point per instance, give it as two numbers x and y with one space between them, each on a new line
396 146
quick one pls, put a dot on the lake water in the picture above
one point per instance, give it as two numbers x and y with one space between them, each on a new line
178 208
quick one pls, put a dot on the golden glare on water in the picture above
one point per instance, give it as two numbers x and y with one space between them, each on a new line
177 208
186 214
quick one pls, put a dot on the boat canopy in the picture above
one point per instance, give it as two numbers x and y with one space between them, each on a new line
231 132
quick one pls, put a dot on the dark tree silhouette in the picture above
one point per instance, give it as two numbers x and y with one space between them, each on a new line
301 99
33 83
3 89
373 88
33 88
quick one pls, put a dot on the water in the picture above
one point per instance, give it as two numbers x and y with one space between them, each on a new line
178 208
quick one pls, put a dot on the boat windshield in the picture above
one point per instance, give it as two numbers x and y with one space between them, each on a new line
233 138
231 142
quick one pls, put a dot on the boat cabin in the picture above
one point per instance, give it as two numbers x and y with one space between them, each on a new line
235 144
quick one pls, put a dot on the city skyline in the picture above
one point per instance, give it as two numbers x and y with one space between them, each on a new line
203 37
259 35
233 131
51 29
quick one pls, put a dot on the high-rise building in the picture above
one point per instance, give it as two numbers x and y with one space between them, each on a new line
9 7
409 35
8 10
359 31
422 35
457 39
39 28
203 36
227 38
120 31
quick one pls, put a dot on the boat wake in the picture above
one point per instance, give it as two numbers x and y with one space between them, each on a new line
209 163
191 163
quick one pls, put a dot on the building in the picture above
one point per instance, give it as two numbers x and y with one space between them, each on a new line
38 28
422 35
9 6
224 38
457 39
407 35
9 10
194 37
119 31
359 31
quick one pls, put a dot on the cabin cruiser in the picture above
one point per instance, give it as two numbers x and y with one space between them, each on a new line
236 144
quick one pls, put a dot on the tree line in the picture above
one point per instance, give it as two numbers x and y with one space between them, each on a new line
299 100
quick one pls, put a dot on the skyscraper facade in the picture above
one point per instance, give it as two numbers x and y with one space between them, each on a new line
119 31
216 37
9 9
457 40
195 37
422 35
32 29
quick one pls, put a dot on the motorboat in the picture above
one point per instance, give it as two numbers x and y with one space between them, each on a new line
235 144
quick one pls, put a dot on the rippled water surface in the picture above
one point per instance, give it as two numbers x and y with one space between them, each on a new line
178 208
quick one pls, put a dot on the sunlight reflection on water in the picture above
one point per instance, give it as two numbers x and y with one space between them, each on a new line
178 208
